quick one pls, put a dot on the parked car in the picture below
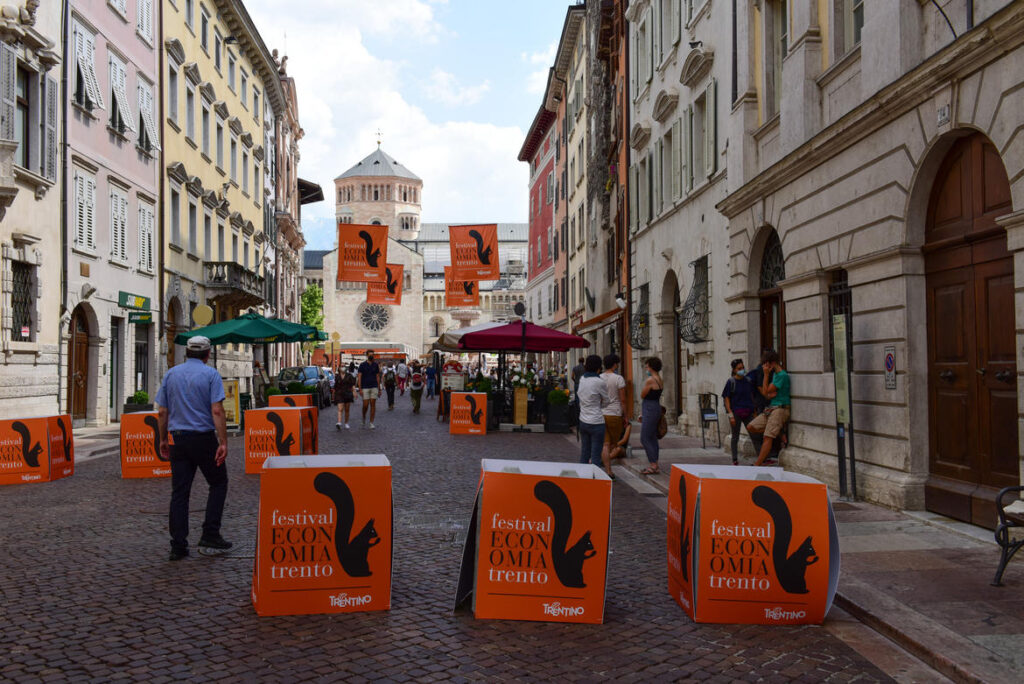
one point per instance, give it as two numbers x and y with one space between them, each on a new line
330 376
310 376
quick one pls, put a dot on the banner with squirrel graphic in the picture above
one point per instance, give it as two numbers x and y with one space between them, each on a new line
362 252
474 252
36 449
278 431
140 446
293 400
537 547
324 538
468 413
389 292
764 548
458 292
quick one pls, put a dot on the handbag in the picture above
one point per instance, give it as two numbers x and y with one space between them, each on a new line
662 424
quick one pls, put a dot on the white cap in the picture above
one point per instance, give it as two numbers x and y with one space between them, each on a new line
198 343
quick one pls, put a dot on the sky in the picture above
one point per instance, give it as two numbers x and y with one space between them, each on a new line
452 86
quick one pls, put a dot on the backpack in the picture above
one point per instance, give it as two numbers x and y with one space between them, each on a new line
662 424
417 381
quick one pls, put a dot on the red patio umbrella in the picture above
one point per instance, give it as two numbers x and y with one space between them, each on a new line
520 336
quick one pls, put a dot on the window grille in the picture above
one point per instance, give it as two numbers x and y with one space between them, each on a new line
640 324
694 319
773 265
22 293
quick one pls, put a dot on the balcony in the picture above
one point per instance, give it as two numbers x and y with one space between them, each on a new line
230 283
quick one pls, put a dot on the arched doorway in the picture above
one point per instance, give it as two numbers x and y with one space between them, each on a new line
769 292
78 364
171 327
668 318
972 372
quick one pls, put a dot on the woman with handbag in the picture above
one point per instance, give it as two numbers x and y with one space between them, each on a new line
651 413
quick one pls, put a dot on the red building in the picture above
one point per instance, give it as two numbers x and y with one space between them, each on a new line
539 151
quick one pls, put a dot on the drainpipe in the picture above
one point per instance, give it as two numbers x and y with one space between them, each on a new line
970 14
63 194
161 65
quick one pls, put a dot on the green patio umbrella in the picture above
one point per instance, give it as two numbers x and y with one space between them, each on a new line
251 328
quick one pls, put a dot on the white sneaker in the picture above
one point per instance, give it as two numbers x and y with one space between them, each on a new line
372 426
346 426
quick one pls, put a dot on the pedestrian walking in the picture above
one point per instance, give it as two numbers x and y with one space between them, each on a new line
593 397
650 413
191 409
368 381
416 384
344 393
614 413
774 419
403 377
431 375
390 382
738 397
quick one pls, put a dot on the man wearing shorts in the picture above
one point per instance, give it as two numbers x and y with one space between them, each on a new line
368 381
614 412
775 417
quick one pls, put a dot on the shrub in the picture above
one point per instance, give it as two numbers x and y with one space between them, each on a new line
296 387
140 397
271 391
558 397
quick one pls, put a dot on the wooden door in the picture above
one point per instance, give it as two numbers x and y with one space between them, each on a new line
78 365
972 374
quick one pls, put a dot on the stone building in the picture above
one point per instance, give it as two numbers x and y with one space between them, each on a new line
112 160
876 168
680 54
571 68
30 209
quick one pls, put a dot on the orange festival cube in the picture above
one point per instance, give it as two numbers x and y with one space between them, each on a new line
468 413
140 446
277 431
36 449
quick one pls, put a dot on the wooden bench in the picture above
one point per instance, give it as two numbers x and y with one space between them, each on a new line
1011 518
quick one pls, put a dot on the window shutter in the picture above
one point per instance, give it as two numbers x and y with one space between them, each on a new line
633 88
632 197
115 207
675 19
656 172
711 127
88 67
79 190
118 81
122 217
677 145
8 78
145 19
89 192
656 21
650 47
50 131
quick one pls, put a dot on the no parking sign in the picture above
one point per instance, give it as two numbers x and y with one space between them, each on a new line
890 367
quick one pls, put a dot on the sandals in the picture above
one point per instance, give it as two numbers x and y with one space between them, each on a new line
649 471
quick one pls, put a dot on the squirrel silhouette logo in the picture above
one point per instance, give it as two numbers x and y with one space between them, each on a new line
474 413
484 255
290 401
154 425
31 455
567 561
371 256
789 568
684 532
352 553
67 442
312 427
467 286
284 444
392 285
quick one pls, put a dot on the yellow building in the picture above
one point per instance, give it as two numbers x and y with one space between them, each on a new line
221 92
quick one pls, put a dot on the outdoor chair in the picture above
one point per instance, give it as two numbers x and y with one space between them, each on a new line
1011 519
708 404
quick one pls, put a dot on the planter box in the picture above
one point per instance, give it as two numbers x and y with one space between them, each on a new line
751 545
36 449
557 418
324 539
136 408
537 546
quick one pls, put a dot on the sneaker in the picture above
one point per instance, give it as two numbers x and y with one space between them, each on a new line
177 554
372 426
218 542
347 427
337 426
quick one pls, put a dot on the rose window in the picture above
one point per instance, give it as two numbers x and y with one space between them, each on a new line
374 317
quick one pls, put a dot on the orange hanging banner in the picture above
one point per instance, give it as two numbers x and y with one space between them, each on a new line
474 251
751 545
468 413
36 449
537 547
459 292
140 446
390 291
277 431
362 252
324 538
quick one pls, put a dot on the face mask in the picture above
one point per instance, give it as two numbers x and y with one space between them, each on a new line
740 373
648 373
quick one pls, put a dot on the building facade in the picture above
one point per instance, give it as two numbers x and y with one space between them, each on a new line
539 152
218 75
112 160
571 67
31 124
876 169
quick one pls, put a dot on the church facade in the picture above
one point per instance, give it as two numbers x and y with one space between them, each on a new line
379 190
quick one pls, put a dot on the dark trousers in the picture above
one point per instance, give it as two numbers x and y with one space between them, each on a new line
417 395
591 443
390 389
430 387
651 413
742 418
193 450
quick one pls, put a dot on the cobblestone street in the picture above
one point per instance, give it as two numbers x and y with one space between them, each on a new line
89 595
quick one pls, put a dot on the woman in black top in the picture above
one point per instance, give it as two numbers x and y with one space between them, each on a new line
650 413
738 396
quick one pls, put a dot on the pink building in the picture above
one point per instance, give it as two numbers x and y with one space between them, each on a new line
111 299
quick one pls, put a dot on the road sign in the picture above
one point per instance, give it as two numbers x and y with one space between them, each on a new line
890 367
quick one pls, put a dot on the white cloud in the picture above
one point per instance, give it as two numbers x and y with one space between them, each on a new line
537 79
347 89
443 87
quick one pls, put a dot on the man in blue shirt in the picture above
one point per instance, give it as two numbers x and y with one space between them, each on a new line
368 381
191 401
431 374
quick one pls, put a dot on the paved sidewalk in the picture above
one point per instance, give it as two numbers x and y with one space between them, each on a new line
919 578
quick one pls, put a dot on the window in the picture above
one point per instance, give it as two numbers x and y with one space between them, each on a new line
120 113
234 248
148 136
245 253
23 300
218 42
190 112
231 72
550 192
695 319
204 29
849 22
256 182
193 227
208 236
147 223
22 118
776 46
118 225
234 159
144 19
220 142
85 207
121 6
245 171
172 92
256 103
206 129
175 216
87 89
220 241
244 87
190 13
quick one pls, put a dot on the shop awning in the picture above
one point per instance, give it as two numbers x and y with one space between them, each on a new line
599 321
449 341
520 336
251 328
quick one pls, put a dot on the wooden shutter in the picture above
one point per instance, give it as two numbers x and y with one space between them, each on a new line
632 197
49 162
688 147
658 151
145 19
650 47
677 144
89 195
122 217
711 127
118 82
79 189
88 66
675 19
8 88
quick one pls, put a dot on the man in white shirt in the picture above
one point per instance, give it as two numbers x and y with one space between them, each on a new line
615 412
403 376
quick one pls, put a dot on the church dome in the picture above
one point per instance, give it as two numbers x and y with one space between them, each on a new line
380 164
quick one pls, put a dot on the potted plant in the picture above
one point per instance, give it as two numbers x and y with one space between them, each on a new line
137 403
557 411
